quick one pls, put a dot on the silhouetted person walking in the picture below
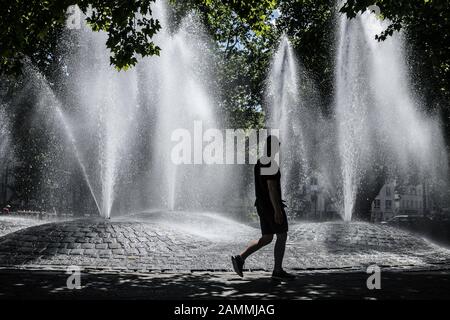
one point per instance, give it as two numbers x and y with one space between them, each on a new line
270 208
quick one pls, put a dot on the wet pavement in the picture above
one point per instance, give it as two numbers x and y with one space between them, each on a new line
9 224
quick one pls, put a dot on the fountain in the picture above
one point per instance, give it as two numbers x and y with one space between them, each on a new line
181 98
101 106
4 131
119 125
114 131
289 111
47 104
284 111
5 150
380 122
379 129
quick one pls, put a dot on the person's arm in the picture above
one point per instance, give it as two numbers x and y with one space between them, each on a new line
275 198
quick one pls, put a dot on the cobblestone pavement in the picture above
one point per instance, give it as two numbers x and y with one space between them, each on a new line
193 241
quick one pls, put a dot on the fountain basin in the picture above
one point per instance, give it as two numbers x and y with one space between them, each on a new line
147 246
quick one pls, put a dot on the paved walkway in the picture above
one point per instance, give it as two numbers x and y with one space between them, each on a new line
220 285
179 241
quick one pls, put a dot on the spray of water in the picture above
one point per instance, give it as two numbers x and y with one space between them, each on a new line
293 107
380 122
47 92
286 113
121 123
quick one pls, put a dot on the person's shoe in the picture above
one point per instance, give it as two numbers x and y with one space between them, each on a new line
282 275
238 264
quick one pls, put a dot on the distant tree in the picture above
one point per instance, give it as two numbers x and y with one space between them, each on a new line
243 35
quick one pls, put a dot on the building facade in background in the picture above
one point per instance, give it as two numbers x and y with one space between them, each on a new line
394 199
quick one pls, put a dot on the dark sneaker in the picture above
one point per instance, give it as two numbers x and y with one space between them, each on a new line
238 264
282 275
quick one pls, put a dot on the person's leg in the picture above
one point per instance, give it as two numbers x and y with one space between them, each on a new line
255 245
280 245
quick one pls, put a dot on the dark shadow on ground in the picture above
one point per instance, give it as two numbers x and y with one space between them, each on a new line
352 285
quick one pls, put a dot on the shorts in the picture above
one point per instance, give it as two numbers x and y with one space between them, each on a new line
267 221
